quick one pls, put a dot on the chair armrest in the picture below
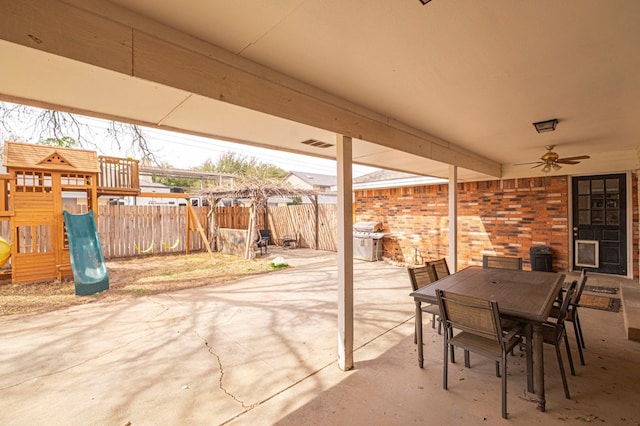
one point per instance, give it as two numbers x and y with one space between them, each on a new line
560 297
512 333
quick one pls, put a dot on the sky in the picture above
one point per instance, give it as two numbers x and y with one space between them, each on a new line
184 151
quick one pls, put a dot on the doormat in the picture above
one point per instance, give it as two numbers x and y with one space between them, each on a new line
600 302
596 288
600 289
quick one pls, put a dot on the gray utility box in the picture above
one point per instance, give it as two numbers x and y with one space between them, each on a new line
541 258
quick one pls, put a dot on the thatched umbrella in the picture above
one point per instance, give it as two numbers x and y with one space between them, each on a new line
258 191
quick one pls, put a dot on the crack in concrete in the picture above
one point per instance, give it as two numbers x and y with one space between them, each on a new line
221 378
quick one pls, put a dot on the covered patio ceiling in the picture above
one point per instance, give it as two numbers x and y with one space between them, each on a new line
418 87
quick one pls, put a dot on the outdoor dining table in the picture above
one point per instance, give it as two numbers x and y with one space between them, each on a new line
523 295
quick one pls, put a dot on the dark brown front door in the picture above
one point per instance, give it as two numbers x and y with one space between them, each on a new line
600 223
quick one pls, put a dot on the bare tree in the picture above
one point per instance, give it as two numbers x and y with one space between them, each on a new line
31 124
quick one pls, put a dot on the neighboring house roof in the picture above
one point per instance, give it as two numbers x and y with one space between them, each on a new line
311 180
390 179
154 187
43 157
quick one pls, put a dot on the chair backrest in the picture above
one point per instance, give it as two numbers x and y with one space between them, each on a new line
502 262
265 233
422 276
470 314
264 238
558 325
582 281
442 269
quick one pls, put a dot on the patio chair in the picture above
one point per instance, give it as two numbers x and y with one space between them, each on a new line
420 277
264 238
572 312
502 262
442 270
554 332
481 333
290 241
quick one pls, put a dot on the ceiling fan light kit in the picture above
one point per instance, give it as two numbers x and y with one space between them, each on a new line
551 166
551 161
546 126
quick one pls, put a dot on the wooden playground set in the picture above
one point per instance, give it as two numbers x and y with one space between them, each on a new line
31 199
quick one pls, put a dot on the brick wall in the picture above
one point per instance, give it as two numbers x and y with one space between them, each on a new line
503 217
635 219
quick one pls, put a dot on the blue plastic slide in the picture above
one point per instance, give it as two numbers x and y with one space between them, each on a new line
87 261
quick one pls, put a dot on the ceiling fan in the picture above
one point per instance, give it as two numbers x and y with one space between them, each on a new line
551 161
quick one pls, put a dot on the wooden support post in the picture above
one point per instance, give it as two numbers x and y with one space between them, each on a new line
248 252
193 224
453 218
345 253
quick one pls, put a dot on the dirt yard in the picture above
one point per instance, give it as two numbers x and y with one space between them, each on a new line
132 278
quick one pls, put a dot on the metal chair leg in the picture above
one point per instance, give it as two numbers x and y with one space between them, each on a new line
445 368
503 373
562 373
579 342
566 344
577 322
453 354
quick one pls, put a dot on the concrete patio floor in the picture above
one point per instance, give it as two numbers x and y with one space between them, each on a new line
263 351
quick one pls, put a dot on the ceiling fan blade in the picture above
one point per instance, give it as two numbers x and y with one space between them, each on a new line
538 165
567 161
531 162
579 157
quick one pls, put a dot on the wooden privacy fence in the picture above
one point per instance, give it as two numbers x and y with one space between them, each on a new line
127 231
314 227
234 217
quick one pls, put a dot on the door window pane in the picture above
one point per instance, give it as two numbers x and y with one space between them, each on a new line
597 202
584 202
613 185
597 186
613 218
597 217
584 217
583 187
612 201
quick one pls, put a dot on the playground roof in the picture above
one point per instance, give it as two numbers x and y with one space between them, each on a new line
44 157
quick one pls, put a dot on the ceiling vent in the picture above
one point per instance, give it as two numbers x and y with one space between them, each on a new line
317 143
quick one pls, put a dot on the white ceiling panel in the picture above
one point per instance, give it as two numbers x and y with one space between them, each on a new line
475 74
